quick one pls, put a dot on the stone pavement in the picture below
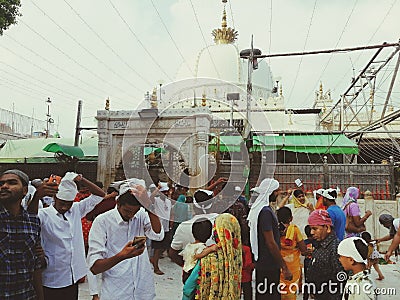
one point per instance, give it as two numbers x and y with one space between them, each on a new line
169 286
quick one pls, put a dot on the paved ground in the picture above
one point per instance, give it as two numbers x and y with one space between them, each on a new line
168 286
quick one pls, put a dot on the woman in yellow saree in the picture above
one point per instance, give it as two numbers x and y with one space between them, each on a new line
220 272
292 245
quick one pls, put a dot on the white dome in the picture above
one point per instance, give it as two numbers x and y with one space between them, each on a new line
222 61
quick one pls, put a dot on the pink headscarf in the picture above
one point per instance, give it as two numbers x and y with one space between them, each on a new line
319 217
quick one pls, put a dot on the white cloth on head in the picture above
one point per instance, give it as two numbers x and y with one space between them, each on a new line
129 185
265 189
131 278
163 186
348 248
238 189
70 176
67 188
62 242
326 194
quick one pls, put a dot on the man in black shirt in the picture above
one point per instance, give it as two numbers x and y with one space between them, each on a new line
265 241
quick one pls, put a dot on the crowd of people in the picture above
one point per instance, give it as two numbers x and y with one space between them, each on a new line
56 231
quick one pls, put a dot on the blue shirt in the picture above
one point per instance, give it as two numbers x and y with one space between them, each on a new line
338 220
267 221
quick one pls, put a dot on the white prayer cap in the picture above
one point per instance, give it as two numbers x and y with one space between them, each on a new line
326 194
163 186
67 188
130 184
152 186
207 192
238 189
347 247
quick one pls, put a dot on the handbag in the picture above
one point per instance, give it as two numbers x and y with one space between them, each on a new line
350 226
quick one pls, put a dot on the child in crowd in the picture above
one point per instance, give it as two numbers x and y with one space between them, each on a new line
310 244
353 253
201 231
373 254
247 267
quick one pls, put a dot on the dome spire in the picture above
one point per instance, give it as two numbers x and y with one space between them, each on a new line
225 34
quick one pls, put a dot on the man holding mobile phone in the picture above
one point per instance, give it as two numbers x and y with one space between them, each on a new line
116 245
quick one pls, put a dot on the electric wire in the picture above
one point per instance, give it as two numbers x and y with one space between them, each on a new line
376 30
90 53
304 48
106 44
52 64
172 39
139 41
270 32
69 57
337 43
204 39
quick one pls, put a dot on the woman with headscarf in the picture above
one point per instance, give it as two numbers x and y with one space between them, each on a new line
353 213
265 241
219 274
302 208
325 270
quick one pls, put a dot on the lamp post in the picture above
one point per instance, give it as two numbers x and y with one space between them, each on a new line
251 55
49 120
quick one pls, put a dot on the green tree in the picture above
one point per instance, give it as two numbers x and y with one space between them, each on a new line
9 11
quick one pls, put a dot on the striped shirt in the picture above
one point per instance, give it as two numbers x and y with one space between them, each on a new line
19 236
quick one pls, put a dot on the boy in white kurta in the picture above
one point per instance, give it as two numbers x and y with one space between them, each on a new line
127 272
353 254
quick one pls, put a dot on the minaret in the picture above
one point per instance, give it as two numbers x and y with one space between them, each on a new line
225 34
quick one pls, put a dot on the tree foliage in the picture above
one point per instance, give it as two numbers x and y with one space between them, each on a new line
9 11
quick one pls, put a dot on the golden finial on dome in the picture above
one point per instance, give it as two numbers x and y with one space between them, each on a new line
203 100
280 91
225 34
107 107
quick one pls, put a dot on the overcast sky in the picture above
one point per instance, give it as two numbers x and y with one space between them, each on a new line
94 49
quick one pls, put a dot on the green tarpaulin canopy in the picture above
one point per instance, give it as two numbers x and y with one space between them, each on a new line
67 150
148 150
227 143
31 150
310 143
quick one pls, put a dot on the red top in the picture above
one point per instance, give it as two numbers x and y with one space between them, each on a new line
248 265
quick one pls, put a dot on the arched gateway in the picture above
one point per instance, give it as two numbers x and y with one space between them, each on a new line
127 137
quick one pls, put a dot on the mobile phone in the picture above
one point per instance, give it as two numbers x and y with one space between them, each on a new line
55 178
139 240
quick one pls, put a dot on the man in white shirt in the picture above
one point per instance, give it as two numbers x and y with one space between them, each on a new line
162 208
62 238
124 264
202 204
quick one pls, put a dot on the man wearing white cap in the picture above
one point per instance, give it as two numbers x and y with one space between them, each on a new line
202 205
162 208
335 212
117 245
62 237
353 254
